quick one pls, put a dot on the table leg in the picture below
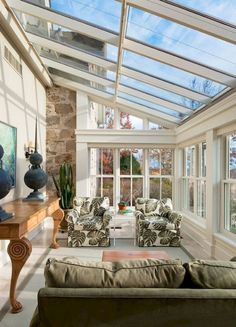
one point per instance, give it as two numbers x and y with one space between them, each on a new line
19 251
57 218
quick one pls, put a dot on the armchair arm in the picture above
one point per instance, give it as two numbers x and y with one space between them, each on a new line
139 215
106 218
72 216
175 218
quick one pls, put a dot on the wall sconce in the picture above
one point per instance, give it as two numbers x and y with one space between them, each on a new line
29 149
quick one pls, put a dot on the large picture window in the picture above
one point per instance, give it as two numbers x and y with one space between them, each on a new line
124 174
101 171
230 184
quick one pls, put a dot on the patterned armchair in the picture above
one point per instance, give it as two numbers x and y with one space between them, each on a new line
88 222
156 223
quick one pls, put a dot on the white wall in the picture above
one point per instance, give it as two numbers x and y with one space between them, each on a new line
21 99
210 126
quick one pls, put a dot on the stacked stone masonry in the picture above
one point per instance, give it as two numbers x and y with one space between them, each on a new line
61 124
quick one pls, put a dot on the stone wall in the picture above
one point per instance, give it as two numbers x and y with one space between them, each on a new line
60 137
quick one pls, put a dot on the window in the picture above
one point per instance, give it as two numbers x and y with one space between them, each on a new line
194 179
230 184
131 175
188 181
128 121
201 181
105 117
124 174
154 126
101 172
160 173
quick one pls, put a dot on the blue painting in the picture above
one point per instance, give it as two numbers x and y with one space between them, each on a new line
8 142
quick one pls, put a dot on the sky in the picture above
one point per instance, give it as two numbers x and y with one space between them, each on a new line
164 34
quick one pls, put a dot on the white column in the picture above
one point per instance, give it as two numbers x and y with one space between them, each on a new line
82 110
82 169
177 180
82 150
212 189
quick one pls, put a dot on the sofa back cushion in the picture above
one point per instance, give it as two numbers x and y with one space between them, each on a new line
73 273
212 274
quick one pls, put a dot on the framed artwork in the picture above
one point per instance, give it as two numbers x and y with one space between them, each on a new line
8 142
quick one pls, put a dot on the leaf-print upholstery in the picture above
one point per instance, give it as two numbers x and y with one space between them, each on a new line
88 222
156 223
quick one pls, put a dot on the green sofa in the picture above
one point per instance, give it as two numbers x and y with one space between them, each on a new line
137 293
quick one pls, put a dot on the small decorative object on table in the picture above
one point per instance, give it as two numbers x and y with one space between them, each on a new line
35 177
5 186
122 205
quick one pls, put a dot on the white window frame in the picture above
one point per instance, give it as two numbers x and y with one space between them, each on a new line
226 182
131 176
145 176
195 177
160 176
102 176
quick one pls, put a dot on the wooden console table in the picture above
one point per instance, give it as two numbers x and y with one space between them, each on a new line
27 216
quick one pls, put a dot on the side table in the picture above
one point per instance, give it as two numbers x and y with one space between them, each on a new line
123 226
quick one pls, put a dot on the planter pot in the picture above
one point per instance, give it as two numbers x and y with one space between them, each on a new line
122 207
64 224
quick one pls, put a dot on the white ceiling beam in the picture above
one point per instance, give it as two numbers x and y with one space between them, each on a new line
77 72
188 17
165 85
154 99
123 23
65 21
163 118
71 52
179 62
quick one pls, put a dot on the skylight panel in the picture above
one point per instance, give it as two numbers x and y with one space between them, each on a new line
104 13
222 9
43 28
151 105
186 42
75 63
79 80
172 74
163 94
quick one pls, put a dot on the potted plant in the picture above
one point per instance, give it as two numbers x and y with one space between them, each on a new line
65 190
122 205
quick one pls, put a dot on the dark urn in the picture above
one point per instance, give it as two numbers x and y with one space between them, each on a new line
35 178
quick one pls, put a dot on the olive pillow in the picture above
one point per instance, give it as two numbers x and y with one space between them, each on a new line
71 272
212 274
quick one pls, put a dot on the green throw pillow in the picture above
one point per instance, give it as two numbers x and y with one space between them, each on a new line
212 274
148 273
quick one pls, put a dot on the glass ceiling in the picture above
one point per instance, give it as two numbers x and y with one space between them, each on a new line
159 64
221 9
